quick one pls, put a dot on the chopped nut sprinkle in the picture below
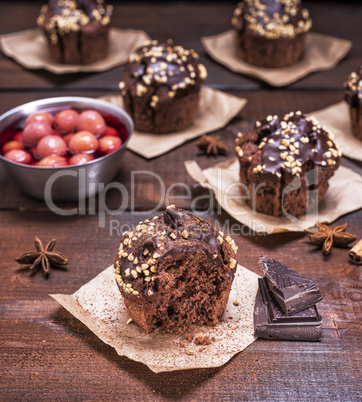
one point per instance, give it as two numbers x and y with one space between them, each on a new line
288 145
185 234
280 24
70 17
162 61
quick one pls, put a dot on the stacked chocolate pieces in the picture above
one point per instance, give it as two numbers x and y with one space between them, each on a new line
285 304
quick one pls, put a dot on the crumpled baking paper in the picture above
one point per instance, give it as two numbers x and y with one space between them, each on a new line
321 52
29 48
336 119
99 305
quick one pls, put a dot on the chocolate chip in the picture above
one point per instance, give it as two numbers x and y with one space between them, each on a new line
172 218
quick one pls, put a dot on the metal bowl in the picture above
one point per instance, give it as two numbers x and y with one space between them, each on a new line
68 182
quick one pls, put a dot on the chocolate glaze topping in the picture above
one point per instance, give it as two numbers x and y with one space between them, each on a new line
272 18
287 146
143 251
353 85
162 71
62 16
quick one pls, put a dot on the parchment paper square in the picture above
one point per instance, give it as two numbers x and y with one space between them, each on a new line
29 48
336 118
322 52
99 305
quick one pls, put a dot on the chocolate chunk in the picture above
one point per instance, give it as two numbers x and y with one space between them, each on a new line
270 321
172 218
293 291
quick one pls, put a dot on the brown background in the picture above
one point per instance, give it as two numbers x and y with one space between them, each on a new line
46 353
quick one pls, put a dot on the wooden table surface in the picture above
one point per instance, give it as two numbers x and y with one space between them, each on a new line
47 354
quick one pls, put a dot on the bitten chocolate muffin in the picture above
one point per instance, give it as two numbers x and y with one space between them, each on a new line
279 150
270 33
161 85
175 270
76 31
353 96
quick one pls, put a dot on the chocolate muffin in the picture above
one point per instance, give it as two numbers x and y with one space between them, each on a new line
76 30
285 164
175 270
353 96
270 33
161 85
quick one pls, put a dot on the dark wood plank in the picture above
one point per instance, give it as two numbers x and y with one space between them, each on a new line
57 357
200 20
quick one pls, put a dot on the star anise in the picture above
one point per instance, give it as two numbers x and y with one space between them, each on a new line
43 257
324 236
212 145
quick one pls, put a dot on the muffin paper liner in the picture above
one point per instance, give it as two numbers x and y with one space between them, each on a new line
321 52
343 196
211 100
337 120
29 48
99 305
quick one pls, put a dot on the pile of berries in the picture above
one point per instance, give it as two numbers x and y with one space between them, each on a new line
68 138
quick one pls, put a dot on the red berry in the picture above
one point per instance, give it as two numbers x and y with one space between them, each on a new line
83 141
66 121
13 145
123 132
18 156
67 138
32 150
53 161
109 143
18 136
51 145
80 159
40 117
36 130
111 131
93 121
